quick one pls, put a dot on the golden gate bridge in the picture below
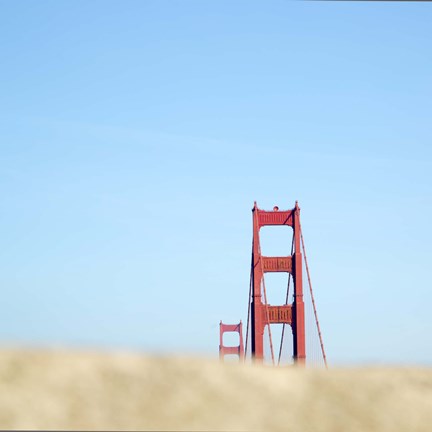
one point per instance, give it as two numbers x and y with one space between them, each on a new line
305 336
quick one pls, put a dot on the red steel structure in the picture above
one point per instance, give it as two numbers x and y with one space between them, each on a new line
263 314
223 350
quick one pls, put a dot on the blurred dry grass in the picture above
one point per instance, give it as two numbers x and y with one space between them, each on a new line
106 391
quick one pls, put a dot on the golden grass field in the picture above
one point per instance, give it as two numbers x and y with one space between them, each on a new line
47 389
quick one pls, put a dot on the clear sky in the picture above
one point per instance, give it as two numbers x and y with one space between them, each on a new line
136 135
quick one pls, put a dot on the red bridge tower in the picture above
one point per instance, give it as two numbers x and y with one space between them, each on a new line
262 313
224 350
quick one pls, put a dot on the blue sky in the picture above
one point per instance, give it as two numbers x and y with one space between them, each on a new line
136 135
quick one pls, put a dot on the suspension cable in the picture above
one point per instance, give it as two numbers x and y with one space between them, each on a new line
268 318
265 297
286 302
313 300
249 307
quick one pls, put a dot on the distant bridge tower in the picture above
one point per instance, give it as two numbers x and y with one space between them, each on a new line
263 314
224 350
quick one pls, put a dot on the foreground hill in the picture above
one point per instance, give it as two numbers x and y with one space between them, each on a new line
102 391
